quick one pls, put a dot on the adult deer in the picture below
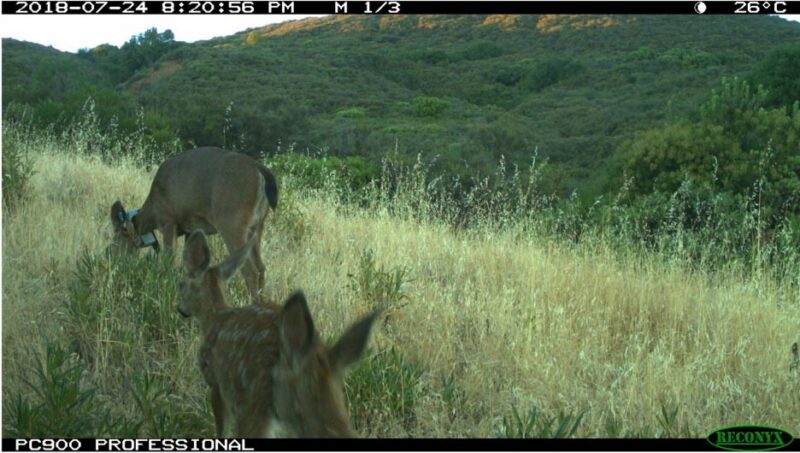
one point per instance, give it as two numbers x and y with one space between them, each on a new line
265 363
209 189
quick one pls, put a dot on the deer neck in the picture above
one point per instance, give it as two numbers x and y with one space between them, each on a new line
215 311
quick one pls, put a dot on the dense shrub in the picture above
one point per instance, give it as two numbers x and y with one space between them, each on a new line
687 58
351 172
17 172
549 71
429 106
734 144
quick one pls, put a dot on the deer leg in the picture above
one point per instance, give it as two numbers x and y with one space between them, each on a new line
256 256
249 271
218 405
168 230
250 274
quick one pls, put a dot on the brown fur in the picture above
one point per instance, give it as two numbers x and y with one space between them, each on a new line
209 189
265 363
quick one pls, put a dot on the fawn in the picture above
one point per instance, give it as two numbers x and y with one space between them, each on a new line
265 363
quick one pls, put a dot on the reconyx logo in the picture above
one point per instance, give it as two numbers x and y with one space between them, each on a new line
750 438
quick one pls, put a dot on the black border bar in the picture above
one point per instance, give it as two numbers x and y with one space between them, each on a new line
401 445
203 7
379 445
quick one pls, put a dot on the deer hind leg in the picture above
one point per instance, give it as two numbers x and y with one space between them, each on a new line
234 241
255 256
218 405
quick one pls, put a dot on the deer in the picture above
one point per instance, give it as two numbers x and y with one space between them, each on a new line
207 188
265 364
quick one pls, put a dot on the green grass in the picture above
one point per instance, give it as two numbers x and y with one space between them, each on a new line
533 425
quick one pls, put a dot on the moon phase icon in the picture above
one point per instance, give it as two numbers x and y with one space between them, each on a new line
699 7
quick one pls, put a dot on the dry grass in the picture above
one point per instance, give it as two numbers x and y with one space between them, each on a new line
510 318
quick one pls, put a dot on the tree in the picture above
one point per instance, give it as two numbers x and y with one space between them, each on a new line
146 48
779 72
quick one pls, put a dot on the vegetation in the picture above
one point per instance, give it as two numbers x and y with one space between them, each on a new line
566 312
778 73
17 172
55 86
734 151
461 91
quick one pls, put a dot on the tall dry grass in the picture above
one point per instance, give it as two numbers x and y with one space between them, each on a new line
478 320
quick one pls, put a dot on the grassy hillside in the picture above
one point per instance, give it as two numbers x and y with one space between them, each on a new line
34 73
459 90
593 330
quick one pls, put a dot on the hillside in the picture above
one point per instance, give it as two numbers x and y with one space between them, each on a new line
33 74
462 91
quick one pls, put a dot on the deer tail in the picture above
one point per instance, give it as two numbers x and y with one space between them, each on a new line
270 186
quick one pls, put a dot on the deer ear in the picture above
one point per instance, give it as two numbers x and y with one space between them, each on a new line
118 215
296 327
233 263
196 255
352 343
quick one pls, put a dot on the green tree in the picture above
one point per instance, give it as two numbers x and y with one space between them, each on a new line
146 48
779 72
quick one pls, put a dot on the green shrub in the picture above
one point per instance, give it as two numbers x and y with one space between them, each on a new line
159 410
377 285
17 172
643 53
550 71
289 218
533 425
733 144
352 172
481 50
63 403
352 112
687 58
431 128
129 299
431 56
429 106
510 74
383 386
